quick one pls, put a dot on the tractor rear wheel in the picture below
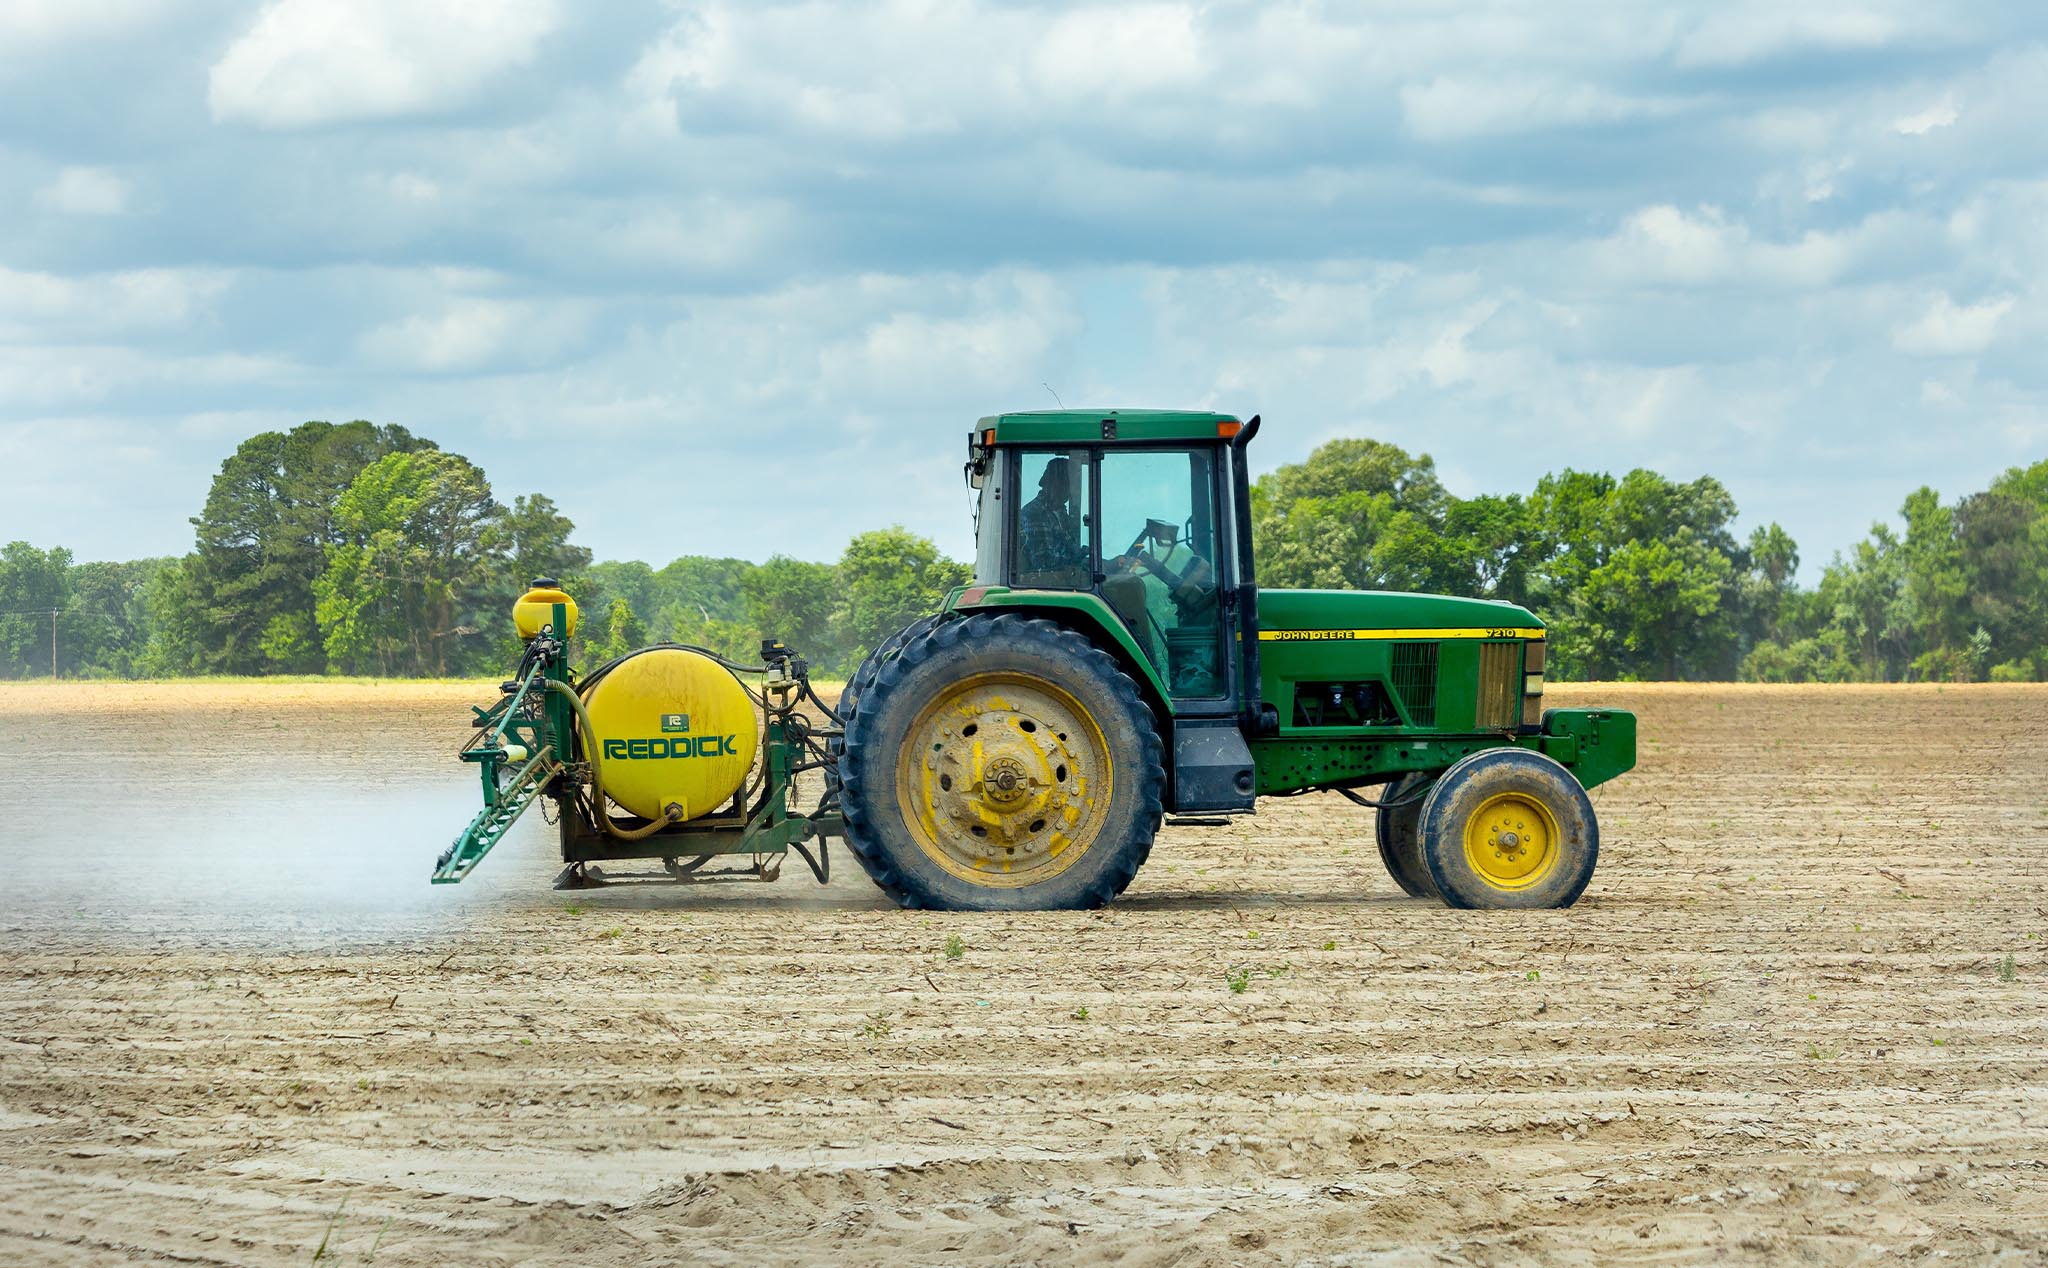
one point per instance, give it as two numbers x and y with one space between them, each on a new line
1508 828
999 763
885 651
1400 838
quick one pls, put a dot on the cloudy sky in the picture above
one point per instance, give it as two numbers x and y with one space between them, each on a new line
738 278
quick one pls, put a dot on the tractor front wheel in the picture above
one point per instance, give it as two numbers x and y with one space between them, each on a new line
1508 828
1398 828
999 763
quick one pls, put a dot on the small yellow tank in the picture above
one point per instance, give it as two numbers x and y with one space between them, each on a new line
536 609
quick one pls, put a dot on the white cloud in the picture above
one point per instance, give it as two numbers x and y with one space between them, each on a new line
1667 245
85 191
38 305
1459 107
27 24
467 334
1663 243
1737 35
993 333
1949 329
1939 115
1119 53
305 63
709 234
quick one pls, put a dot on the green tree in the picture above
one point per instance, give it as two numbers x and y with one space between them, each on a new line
1936 583
623 632
735 640
1864 596
263 538
33 583
1358 515
176 644
888 578
1768 585
533 538
1498 535
627 579
530 539
404 588
1825 657
706 587
794 600
1637 574
2002 534
107 622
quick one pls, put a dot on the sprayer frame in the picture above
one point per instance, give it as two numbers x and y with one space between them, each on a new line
544 727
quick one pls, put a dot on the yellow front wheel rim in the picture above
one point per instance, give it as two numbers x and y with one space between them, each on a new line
1004 779
1512 841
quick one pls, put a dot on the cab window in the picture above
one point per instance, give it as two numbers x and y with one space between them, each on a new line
1158 537
1053 548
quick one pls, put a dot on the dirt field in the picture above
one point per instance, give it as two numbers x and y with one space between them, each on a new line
1799 1017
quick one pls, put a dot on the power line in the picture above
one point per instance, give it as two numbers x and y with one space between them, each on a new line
53 614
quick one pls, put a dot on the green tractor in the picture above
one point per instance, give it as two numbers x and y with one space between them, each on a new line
1113 662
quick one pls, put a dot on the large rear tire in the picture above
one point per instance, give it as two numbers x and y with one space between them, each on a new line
885 651
1398 829
1000 763
1508 828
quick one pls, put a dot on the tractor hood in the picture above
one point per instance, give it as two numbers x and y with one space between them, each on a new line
1441 614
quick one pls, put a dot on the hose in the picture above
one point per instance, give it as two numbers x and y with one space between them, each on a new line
1392 803
674 814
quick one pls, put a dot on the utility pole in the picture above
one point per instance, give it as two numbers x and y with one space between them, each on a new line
53 644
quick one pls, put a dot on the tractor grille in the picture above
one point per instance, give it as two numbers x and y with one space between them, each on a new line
1500 686
1415 680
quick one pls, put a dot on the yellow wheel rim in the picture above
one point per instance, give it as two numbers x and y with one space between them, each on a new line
1004 780
1512 841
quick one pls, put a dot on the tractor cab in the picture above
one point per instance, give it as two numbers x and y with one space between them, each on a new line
1135 525
1136 509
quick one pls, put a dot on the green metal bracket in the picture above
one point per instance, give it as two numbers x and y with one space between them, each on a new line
496 818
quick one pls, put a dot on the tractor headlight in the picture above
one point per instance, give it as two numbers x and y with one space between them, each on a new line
1533 662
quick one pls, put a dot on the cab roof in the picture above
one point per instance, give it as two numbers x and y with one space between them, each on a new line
1082 426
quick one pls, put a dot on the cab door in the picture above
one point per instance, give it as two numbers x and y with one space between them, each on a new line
1163 568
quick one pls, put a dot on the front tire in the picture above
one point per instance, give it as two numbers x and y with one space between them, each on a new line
1508 828
999 763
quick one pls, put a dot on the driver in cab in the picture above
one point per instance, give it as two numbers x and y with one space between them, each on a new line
1178 585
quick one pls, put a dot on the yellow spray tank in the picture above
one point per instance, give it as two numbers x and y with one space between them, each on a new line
671 727
535 609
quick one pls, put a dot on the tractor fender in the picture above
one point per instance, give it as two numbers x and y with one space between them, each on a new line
1092 618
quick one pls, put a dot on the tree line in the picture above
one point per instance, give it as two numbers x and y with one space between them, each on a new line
356 548
1644 577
